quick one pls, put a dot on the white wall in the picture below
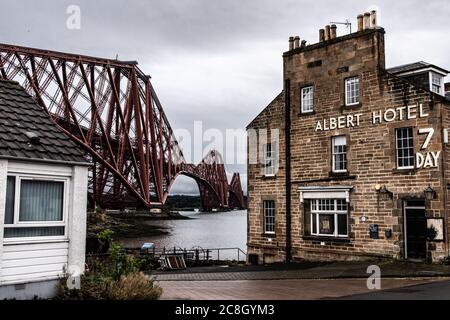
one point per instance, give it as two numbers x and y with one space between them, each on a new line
3 174
45 259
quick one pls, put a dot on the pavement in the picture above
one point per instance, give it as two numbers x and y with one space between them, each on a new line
305 270
278 289
306 281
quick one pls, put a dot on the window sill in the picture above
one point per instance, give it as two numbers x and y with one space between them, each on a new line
404 171
351 106
327 239
307 114
269 177
269 235
334 174
21 241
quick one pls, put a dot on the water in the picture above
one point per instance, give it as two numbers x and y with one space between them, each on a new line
205 230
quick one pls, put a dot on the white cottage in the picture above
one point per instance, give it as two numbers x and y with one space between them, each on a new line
43 198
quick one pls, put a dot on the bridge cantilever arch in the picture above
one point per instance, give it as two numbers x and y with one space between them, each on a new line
110 109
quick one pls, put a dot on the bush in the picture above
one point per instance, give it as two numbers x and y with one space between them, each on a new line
134 286
116 276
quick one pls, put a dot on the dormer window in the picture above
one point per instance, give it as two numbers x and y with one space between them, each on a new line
437 83
425 75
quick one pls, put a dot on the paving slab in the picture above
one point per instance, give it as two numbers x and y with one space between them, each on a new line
276 289
336 270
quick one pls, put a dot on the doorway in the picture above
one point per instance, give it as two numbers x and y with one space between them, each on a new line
415 230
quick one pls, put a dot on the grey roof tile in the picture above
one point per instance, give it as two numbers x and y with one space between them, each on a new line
413 67
20 114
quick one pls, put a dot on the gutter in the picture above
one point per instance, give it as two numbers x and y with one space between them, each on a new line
72 163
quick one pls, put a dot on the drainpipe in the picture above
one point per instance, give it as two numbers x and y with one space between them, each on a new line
444 181
287 137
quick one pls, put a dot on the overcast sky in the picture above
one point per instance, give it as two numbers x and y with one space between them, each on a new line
218 61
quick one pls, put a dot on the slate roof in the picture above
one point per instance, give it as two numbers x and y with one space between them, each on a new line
20 119
414 66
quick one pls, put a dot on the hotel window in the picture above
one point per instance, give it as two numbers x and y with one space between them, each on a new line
269 160
436 83
352 91
405 148
34 208
307 99
269 216
329 218
339 145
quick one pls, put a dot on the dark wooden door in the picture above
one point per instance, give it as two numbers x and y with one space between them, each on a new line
416 225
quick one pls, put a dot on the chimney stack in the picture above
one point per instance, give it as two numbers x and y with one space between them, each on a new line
333 33
360 23
366 20
296 42
291 43
321 35
373 19
327 32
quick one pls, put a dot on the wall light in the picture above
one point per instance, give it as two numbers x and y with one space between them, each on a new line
385 194
430 193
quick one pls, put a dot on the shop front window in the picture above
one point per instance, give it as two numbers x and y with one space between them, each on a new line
329 217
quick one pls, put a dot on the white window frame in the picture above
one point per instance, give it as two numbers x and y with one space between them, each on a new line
315 211
265 210
269 171
38 224
307 101
349 82
433 76
334 154
397 149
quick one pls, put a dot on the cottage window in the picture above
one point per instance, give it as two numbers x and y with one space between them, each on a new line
307 99
405 148
352 91
269 216
269 160
339 145
329 218
34 207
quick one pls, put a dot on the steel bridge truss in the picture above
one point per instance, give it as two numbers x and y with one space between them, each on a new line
110 109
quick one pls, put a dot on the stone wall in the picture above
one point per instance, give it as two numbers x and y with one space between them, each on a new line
371 151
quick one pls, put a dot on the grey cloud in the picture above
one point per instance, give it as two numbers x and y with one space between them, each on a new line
218 61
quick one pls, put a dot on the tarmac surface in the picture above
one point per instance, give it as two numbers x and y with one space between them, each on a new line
307 281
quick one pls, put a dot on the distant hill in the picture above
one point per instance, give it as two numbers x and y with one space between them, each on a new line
182 202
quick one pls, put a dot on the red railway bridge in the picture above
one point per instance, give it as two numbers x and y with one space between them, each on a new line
110 109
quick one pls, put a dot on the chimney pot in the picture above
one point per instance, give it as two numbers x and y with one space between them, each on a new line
373 19
296 42
360 23
291 43
366 20
303 44
322 35
333 33
327 32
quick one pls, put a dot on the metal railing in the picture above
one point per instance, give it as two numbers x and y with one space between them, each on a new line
200 254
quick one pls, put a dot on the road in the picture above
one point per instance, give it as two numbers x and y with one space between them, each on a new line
439 290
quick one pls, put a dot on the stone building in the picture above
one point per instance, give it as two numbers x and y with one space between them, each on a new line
351 160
